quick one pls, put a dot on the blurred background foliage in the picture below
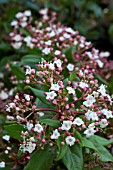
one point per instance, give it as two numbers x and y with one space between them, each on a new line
93 18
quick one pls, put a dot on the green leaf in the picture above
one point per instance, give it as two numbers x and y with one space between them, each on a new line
100 80
89 144
16 70
50 122
77 135
40 160
101 140
104 154
31 59
62 149
73 159
73 76
39 94
15 130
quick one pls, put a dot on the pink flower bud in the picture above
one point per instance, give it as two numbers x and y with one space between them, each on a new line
62 143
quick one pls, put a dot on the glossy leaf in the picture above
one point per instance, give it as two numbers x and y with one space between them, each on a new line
50 122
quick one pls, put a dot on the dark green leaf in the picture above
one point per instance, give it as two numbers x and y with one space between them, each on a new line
16 70
40 160
73 76
73 159
77 135
15 130
88 144
50 122
31 59
101 140
62 149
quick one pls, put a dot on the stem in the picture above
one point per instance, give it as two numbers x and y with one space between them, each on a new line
42 109
76 101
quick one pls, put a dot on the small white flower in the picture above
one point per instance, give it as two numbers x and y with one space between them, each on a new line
40 114
17 37
52 34
66 125
29 126
38 128
55 134
55 87
87 103
27 13
58 63
91 98
78 121
61 38
103 123
83 85
23 24
107 113
75 42
91 115
46 51
2 164
10 117
65 35
6 151
19 15
100 63
59 30
57 52
3 95
14 23
70 30
70 140
28 71
70 90
30 147
52 66
43 11
6 137
51 95
17 45
70 67
102 90
89 132
104 54
48 42
27 97
96 94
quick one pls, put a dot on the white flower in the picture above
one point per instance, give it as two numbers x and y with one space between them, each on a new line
92 125
27 97
70 140
91 98
70 90
61 38
14 23
6 151
29 126
55 134
30 147
2 164
40 114
27 13
107 113
6 137
104 54
48 42
17 37
78 121
23 24
58 63
43 11
51 95
66 35
19 15
75 42
100 63
102 90
59 30
89 132
87 103
17 45
52 66
55 87
91 115
57 52
70 30
70 67
96 94
83 85
103 123
10 117
28 71
38 128
28 39
66 125
46 51
52 34
3 95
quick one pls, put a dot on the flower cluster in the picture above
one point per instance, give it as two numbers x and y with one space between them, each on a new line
53 39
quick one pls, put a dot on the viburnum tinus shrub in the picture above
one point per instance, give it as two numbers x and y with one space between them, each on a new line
59 115
52 39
